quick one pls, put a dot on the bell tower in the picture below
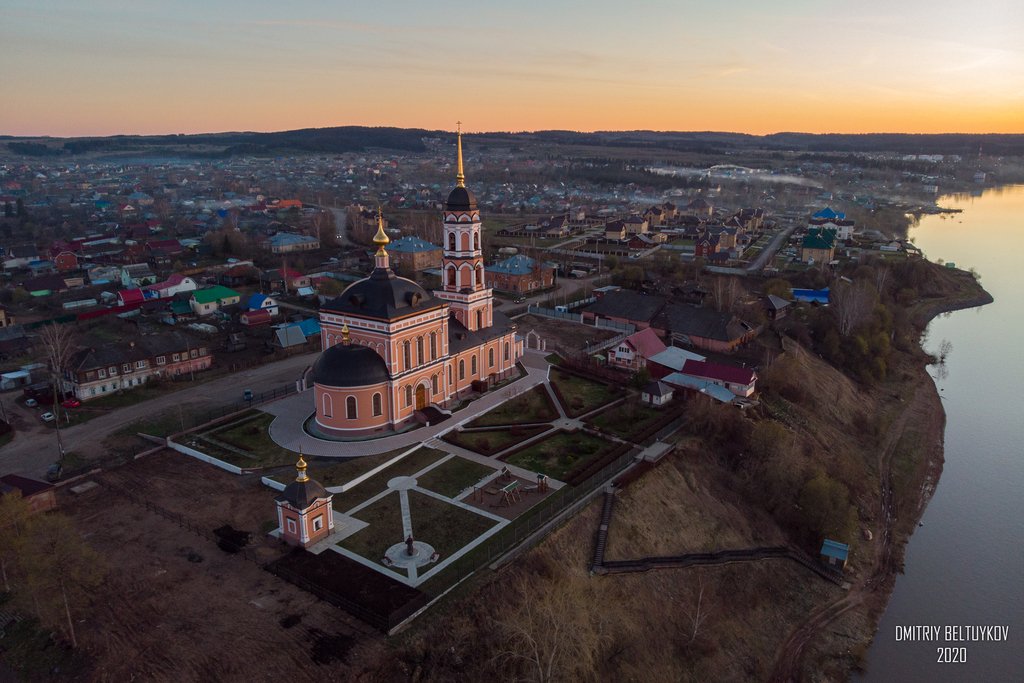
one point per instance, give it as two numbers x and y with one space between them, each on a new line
462 264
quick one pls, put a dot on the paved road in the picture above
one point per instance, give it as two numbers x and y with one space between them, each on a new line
34 447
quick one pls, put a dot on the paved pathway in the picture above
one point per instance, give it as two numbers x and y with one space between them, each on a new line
292 412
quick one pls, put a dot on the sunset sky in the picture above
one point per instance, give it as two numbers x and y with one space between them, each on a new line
104 66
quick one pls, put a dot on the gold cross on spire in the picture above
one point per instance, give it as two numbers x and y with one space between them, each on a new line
381 238
460 177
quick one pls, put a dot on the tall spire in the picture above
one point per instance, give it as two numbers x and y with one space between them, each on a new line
460 177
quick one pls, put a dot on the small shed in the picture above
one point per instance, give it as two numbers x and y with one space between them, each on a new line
834 553
252 318
657 393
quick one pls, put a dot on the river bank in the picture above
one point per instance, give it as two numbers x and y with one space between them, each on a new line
910 468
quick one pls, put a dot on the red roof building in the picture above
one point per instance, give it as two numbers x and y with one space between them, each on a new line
633 351
739 381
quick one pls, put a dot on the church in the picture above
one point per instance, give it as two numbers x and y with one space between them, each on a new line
392 349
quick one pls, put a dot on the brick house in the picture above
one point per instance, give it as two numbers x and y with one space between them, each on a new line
520 274
414 254
95 372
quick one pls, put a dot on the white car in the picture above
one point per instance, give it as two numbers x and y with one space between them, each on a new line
31 403
47 417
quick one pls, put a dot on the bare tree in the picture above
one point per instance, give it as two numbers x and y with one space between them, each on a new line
881 277
699 614
852 302
59 343
61 570
725 290
549 634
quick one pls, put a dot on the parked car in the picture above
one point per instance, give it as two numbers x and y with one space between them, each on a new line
31 403
519 300
71 403
247 395
54 471
47 417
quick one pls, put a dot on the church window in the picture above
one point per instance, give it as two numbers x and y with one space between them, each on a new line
451 241
479 320
326 405
465 241
318 523
462 370
433 384
419 350
408 395
451 275
449 375
476 241
350 407
506 352
292 529
490 358
472 366
407 354
378 409
433 346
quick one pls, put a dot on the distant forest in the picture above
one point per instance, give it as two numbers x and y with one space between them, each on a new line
361 139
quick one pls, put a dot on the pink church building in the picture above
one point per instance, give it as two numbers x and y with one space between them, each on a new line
392 349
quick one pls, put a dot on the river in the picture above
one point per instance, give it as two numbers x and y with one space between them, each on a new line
965 565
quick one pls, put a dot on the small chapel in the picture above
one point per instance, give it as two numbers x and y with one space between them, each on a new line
392 349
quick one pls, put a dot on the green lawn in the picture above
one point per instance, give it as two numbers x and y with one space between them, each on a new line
250 433
559 454
343 470
453 476
446 527
626 419
491 441
385 530
580 396
407 466
530 406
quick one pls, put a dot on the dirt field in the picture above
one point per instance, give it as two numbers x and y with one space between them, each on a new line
176 607
563 337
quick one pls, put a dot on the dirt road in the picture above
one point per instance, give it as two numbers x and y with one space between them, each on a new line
34 446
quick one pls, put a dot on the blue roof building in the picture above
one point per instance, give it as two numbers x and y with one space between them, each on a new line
519 264
828 214
834 553
412 245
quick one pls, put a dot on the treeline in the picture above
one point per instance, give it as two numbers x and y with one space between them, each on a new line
323 140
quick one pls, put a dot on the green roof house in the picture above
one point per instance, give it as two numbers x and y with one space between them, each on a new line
211 299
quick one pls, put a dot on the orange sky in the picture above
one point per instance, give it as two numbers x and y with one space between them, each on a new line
183 66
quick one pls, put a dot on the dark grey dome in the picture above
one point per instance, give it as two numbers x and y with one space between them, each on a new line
301 494
460 199
382 295
349 365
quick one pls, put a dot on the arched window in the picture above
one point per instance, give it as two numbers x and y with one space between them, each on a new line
408 395
480 275
506 352
451 274
433 384
479 320
449 375
326 405
350 407
433 346
451 241
476 240
462 370
465 241
378 408
490 358
407 354
419 350
472 366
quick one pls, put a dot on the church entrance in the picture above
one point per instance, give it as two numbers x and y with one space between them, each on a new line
421 397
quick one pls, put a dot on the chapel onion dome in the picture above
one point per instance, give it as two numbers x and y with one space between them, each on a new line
349 365
302 492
